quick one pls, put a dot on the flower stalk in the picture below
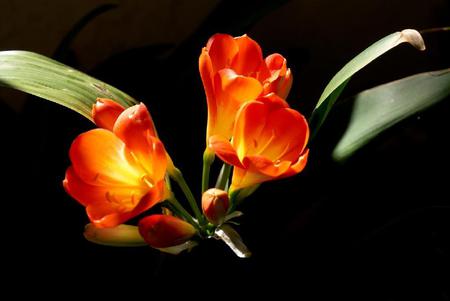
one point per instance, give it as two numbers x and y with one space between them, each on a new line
177 176
208 159
224 176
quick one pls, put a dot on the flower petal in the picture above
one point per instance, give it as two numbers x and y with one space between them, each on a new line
105 112
107 215
287 131
207 75
273 101
277 65
221 48
240 88
223 149
134 121
108 206
249 58
250 121
232 91
259 169
280 79
297 166
100 158
135 128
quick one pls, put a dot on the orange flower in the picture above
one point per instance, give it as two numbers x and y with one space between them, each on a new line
233 72
117 172
163 231
269 142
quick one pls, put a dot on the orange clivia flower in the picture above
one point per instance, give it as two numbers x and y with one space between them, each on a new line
117 171
163 231
233 71
269 142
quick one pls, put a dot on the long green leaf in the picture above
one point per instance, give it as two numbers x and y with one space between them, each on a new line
379 108
41 76
338 82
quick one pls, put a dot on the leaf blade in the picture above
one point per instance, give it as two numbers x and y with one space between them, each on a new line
338 82
48 79
379 108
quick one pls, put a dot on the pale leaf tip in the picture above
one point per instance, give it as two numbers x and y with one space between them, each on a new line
414 38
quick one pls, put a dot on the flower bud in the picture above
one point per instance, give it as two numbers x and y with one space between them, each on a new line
105 112
215 203
162 231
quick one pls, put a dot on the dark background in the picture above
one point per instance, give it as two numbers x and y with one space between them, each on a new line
374 228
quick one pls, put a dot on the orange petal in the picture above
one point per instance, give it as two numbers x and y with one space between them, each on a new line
277 65
280 80
100 158
162 231
135 128
108 206
297 166
250 121
207 75
265 166
243 178
232 91
105 215
249 136
287 131
249 58
224 150
135 120
285 84
273 101
221 48
281 86
240 88
105 112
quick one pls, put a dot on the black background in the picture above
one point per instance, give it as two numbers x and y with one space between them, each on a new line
374 228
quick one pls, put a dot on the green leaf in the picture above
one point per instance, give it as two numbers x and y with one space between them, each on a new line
120 236
379 108
41 76
334 88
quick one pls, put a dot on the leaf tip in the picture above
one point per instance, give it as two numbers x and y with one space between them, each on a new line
414 38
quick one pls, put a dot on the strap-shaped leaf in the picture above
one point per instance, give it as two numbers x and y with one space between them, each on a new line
334 88
377 109
41 76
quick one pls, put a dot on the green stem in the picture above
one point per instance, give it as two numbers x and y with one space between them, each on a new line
208 159
178 177
223 176
233 199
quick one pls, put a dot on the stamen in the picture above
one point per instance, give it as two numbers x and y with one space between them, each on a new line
147 180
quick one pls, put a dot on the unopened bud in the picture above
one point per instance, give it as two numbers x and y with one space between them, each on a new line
163 231
215 203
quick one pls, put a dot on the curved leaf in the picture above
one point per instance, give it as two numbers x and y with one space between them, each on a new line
338 82
379 108
41 76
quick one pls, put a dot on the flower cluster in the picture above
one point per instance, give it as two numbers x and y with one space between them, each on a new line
122 169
